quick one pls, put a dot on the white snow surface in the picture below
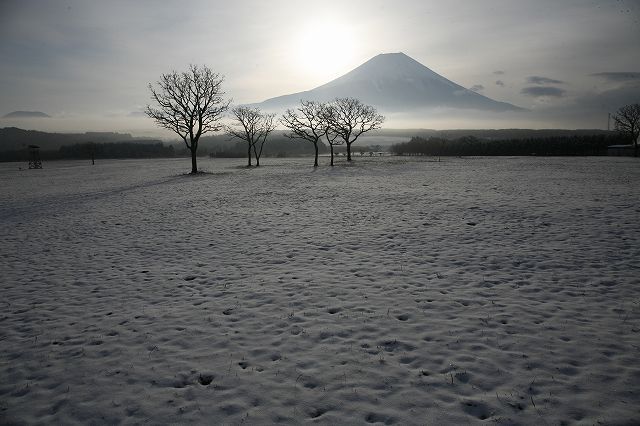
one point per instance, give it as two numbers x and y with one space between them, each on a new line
392 291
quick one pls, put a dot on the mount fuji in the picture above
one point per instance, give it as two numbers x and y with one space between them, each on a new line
394 83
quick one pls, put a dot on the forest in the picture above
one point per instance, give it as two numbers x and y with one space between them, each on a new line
473 146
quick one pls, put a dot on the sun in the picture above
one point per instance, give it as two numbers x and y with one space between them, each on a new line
324 49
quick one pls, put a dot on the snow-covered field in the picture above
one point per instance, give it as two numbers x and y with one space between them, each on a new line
393 291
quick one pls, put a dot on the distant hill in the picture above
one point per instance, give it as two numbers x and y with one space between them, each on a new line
26 114
394 83
14 143
13 138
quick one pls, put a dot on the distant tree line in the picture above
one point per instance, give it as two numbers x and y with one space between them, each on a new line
219 146
472 146
117 150
89 150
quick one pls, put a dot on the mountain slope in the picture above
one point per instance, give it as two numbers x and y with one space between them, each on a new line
394 82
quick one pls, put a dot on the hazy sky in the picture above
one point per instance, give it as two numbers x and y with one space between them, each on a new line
87 63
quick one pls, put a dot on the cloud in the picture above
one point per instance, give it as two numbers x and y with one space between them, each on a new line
500 83
538 92
589 110
534 79
499 72
26 114
477 87
611 99
137 114
618 76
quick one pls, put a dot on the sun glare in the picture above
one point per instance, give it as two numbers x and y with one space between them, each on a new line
325 50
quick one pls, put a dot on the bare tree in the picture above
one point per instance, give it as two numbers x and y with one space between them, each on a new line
332 139
307 122
350 118
190 104
252 126
627 120
268 126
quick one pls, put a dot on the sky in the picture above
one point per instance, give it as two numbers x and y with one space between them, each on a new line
88 63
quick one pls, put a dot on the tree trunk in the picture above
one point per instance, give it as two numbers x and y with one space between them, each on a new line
255 153
249 156
315 164
194 161
331 154
348 152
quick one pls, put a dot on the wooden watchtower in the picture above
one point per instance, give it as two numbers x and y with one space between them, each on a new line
34 157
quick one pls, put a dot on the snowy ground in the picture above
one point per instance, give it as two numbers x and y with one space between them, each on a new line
394 291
